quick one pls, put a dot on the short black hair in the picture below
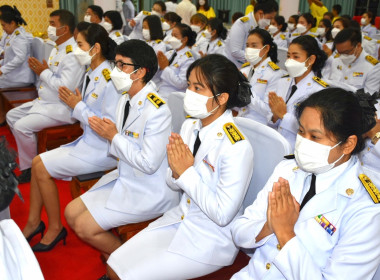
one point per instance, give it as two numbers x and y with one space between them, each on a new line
97 10
217 24
141 54
280 20
161 4
370 15
65 18
295 17
309 19
115 18
186 31
337 8
348 34
221 75
329 14
266 39
155 27
173 17
236 16
267 6
83 25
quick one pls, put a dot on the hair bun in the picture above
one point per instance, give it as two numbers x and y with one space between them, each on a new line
367 103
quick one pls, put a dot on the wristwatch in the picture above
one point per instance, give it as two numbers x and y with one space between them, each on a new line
375 138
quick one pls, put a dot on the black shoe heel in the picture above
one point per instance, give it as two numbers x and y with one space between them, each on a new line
40 229
47 247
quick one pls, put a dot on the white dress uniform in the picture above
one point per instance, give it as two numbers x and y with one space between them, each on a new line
237 38
369 30
157 45
200 43
173 77
15 68
288 126
280 40
168 35
88 153
364 72
337 231
117 36
264 79
47 110
312 34
370 161
217 46
137 29
199 227
136 191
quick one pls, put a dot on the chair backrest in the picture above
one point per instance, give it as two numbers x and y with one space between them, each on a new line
175 102
269 148
38 48
282 54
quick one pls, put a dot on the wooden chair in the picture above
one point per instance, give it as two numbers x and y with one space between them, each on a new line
10 98
128 231
82 183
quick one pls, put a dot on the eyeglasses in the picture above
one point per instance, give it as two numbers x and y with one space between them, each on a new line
349 52
122 65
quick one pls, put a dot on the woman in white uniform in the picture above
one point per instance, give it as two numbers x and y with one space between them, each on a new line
113 23
211 163
324 32
172 19
278 29
198 25
216 33
153 34
367 24
304 64
136 191
305 23
292 27
173 64
317 217
262 73
88 153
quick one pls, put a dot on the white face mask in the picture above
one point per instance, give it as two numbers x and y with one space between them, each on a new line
52 33
263 23
291 26
295 68
301 28
146 34
83 57
165 26
195 28
121 80
87 18
174 42
347 59
272 29
154 13
253 55
363 21
313 157
195 105
207 34
334 32
107 26
321 31
202 2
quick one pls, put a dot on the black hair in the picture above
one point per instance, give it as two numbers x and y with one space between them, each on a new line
83 25
236 16
348 17
280 20
96 33
348 34
141 54
370 15
161 4
6 9
266 39
311 47
65 18
354 24
341 113
174 1
115 18
206 6
97 10
345 22
186 31
173 17
12 14
198 17
221 75
327 23
309 19
217 24
155 27
337 8
295 17
330 15
267 6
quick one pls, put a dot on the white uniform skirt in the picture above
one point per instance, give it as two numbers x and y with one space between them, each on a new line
146 257
96 201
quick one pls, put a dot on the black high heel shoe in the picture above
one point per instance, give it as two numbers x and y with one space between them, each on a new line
47 247
40 229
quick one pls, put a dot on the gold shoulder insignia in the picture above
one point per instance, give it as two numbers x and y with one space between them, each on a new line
88 69
368 38
158 102
244 19
158 41
162 19
378 41
233 133
282 36
370 187
146 13
17 32
219 43
69 48
296 34
371 59
189 54
273 65
245 64
285 76
320 81
312 35
203 34
337 55
117 33
107 74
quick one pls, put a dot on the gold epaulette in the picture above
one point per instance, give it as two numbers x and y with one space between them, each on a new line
368 38
189 54
320 81
219 43
69 48
203 34
273 65
158 41
282 36
17 32
285 76
162 19
244 19
158 102
245 64
88 69
117 33
370 187
371 59
378 41
107 74
233 133
337 55
146 13
296 34
312 35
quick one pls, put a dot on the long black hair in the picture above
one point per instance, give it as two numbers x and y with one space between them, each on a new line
186 31
217 24
266 39
280 20
10 14
155 27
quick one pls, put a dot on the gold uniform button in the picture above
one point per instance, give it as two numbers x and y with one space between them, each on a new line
267 266
188 201
349 191
278 247
345 78
140 102
182 217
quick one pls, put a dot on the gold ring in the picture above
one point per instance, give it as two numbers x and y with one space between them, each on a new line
34 66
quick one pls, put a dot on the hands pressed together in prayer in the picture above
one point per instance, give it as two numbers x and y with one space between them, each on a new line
277 106
180 158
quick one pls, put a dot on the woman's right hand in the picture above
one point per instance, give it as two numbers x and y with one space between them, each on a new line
180 158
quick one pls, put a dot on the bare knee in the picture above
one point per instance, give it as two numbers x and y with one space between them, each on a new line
70 214
39 169
82 229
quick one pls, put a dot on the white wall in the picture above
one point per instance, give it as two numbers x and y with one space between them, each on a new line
110 4
288 8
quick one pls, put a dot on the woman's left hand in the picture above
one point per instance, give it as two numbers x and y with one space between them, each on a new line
180 157
70 98
277 106
163 61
